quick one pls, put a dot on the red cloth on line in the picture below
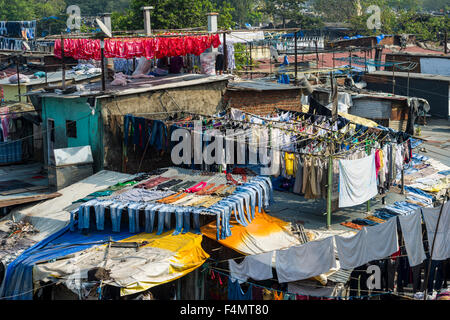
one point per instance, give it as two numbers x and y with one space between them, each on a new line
128 48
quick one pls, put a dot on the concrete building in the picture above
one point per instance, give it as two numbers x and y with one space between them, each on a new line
96 119
434 88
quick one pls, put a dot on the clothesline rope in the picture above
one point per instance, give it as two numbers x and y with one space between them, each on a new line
219 270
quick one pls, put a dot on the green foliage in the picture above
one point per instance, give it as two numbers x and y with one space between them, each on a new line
97 7
241 56
18 10
225 20
425 26
436 5
283 9
336 10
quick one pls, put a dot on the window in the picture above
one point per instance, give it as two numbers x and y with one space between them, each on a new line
71 129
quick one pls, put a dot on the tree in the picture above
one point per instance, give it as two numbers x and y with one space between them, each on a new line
337 10
17 10
225 20
172 14
20 10
284 9
97 7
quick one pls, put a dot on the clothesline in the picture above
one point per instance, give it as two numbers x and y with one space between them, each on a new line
354 147
150 48
295 294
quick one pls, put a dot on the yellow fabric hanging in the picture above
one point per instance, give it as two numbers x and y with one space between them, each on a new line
289 160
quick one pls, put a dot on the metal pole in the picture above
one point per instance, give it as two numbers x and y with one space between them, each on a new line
333 61
18 78
63 64
403 181
445 42
330 186
296 61
225 51
270 63
103 68
365 61
251 60
317 55
393 79
431 253
408 85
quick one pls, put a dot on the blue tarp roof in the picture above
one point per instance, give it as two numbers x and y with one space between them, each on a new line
18 281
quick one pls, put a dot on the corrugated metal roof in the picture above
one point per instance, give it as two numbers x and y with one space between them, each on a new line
341 276
411 75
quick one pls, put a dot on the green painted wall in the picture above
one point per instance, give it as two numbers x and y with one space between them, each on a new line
88 125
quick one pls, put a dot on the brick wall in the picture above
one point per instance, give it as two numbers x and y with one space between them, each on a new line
263 102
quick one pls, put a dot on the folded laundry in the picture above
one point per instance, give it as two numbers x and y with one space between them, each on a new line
199 186
206 189
183 186
152 183
375 219
168 184
364 222
352 225
142 195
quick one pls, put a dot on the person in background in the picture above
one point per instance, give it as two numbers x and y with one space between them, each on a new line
176 63
220 63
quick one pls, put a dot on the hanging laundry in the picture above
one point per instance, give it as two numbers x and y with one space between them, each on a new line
357 181
370 243
305 261
235 291
411 226
257 267
442 243
128 48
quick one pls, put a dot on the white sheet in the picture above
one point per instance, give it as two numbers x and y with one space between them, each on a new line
412 234
382 240
370 243
257 267
441 249
357 181
305 261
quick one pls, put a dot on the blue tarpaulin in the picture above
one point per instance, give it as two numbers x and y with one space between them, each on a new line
18 281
